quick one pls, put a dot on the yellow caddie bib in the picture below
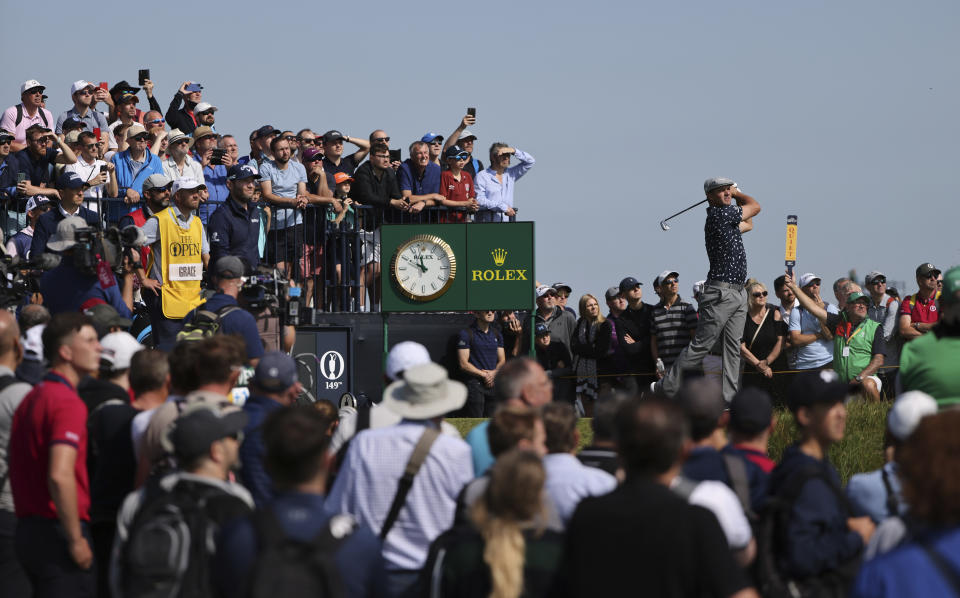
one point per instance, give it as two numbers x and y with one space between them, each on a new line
181 264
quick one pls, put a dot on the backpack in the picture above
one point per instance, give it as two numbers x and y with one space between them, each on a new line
43 116
771 534
292 568
736 469
167 552
205 323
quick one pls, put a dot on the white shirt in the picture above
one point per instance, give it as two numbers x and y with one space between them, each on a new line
191 169
87 172
368 479
724 504
569 481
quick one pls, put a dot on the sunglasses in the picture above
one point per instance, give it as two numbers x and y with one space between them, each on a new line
669 281
759 294
6 140
90 145
382 139
156 121
462 156
35 91
879 281
85 92
437 142
382 156
311 141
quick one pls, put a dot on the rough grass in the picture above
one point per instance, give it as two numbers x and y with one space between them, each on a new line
861 449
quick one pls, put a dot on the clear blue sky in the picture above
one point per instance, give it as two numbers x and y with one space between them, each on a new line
841 113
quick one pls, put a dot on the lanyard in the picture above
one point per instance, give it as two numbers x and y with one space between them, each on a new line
855 333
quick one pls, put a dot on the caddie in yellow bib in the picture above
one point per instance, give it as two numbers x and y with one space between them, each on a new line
179 255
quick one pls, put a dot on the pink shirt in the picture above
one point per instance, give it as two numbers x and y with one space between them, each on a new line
20 131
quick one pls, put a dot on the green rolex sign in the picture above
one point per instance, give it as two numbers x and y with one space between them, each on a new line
457 267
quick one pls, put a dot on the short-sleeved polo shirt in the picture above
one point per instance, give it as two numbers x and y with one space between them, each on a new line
482 345
728 259
819 352
672 326
52 413
283 183
428 182
924 312
347 165
8 122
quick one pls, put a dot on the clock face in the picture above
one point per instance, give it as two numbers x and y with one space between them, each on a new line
424 267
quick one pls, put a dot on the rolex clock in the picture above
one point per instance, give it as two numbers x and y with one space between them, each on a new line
423 268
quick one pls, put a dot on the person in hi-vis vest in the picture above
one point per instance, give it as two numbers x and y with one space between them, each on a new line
178 257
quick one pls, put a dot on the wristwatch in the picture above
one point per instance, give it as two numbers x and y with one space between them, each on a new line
858 378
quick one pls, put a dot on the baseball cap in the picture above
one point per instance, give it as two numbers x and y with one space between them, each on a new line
105 317
455 151
123 87
118 349
72 137
404 356
65 236
542 329
241 171
204 107
229 266
36 201
265 131
874 274
203 131
128 97
30 84
907 411
629 283
157 181
544 289
665 275
466 134
927 269
275 371
178 135
201 424
342 177
73 123
811 388
808 279
193 87
716 183
951 285
857 296
5 134
750 411
562 285
612 292
186 184
134 130
311 154
80 85
70 180
429 137
332 135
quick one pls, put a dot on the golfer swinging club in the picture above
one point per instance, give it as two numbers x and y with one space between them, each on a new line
723 303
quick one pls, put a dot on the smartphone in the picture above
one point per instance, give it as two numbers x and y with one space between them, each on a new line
104 86
21 176
100 169
143 75
472 112
96 133
395 155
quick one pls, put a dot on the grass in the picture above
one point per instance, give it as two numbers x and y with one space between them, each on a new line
861 449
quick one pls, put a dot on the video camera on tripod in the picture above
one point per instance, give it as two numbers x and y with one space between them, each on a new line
269 290
93 246
21 278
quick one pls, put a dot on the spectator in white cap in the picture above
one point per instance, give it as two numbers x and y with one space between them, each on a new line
465 139
377 459
811 339
204 112
33 319
179 163
19 244
29 112
354 419
134 165
85 96
674 320
180 286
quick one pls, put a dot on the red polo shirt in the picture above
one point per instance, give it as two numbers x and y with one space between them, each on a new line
925 312
455 190
51 413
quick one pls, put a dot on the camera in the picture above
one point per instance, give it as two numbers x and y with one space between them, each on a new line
268 291
21 278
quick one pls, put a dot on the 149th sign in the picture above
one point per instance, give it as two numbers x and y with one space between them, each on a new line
457 267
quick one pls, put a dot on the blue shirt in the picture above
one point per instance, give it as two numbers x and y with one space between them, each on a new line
302 516
480 448
496 197
417 184
94 119
239 321
819 352
235 230
38 170
65 289
216 180
483 346
253 475
569 481
868 494
284 183
908 570
728 258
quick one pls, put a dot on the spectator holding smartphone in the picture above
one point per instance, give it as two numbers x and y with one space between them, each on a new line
495 184
100 176
214 163
465 139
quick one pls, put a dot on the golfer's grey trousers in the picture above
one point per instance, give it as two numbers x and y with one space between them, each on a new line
723 311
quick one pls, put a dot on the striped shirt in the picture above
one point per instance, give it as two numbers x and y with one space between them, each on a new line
671 327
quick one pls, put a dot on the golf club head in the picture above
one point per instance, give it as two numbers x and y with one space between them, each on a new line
664 225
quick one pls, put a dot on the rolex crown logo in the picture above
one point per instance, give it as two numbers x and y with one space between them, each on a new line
499 256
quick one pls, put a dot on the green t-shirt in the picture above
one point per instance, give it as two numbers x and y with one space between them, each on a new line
931 364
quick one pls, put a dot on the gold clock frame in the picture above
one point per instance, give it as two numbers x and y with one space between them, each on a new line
423 239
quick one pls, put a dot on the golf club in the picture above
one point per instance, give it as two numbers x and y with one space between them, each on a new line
663 223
